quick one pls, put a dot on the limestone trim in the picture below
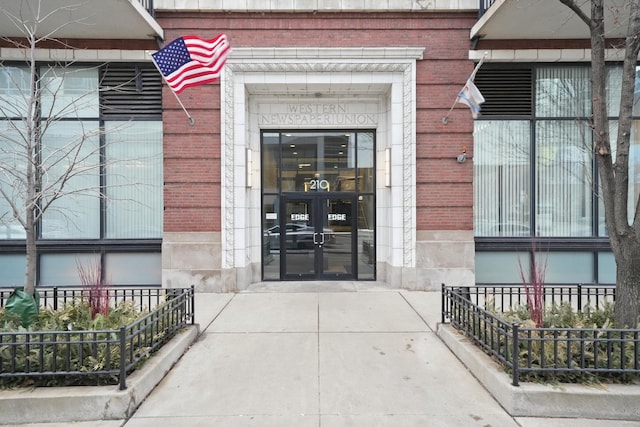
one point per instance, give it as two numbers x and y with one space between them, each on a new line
303 67
79 55
228 115
352 54
543 55
235 94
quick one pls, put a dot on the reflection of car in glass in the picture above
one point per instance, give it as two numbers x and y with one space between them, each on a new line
297 236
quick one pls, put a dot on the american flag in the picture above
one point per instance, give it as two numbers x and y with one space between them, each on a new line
191 61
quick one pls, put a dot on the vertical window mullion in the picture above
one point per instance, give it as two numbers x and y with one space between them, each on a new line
532 176
103 183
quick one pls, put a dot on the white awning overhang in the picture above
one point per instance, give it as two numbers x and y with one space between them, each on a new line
81 19
545 20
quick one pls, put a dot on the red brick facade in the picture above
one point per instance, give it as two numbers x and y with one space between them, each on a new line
444 187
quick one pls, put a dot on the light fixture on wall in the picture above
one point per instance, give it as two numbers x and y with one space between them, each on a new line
387 167
249 167
462 156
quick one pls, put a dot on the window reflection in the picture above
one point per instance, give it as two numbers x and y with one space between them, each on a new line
502 179
77 213
326 156
563 179
69 92
134 179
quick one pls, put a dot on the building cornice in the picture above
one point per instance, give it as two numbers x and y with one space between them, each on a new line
315 5
238 55
542 55
76 55
352 54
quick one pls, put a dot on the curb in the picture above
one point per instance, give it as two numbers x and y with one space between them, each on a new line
610 402
87 403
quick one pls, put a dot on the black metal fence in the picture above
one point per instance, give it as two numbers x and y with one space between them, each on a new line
477 311
106 356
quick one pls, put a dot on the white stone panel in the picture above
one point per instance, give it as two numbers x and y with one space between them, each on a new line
543 55
207 4
255 83
107 55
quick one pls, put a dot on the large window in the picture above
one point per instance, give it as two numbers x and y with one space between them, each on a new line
535 177
502 181
102 124
134 158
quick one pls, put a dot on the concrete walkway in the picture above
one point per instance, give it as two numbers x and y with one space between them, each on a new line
323 358
330 359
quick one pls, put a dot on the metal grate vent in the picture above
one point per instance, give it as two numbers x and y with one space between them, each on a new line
130 92
506 92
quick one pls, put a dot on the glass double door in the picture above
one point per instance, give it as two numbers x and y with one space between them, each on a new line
318 236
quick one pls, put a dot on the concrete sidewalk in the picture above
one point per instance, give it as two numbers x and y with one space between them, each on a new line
327 359
324 358
311 359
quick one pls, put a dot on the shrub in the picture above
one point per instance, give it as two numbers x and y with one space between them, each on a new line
66 351
564 316
570 339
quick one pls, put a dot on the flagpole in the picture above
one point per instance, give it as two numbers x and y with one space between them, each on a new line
445 119
191 119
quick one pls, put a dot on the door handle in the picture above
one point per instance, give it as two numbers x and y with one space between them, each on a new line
319 241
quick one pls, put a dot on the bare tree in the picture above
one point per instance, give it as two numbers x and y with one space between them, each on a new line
624 235
34 175
40 161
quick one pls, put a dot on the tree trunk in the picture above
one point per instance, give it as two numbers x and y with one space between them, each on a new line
627 309
625 237
626 251
34 141
614 173
32 258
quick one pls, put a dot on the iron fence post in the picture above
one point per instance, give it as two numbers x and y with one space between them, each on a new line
55 298
515 328
442 303
123 358
579 296
193 305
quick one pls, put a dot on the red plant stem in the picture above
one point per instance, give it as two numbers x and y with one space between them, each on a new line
534 289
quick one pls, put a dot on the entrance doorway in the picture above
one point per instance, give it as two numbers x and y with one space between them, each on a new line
318 205
318 238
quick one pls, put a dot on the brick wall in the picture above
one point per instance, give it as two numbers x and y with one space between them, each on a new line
444 188
192 160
